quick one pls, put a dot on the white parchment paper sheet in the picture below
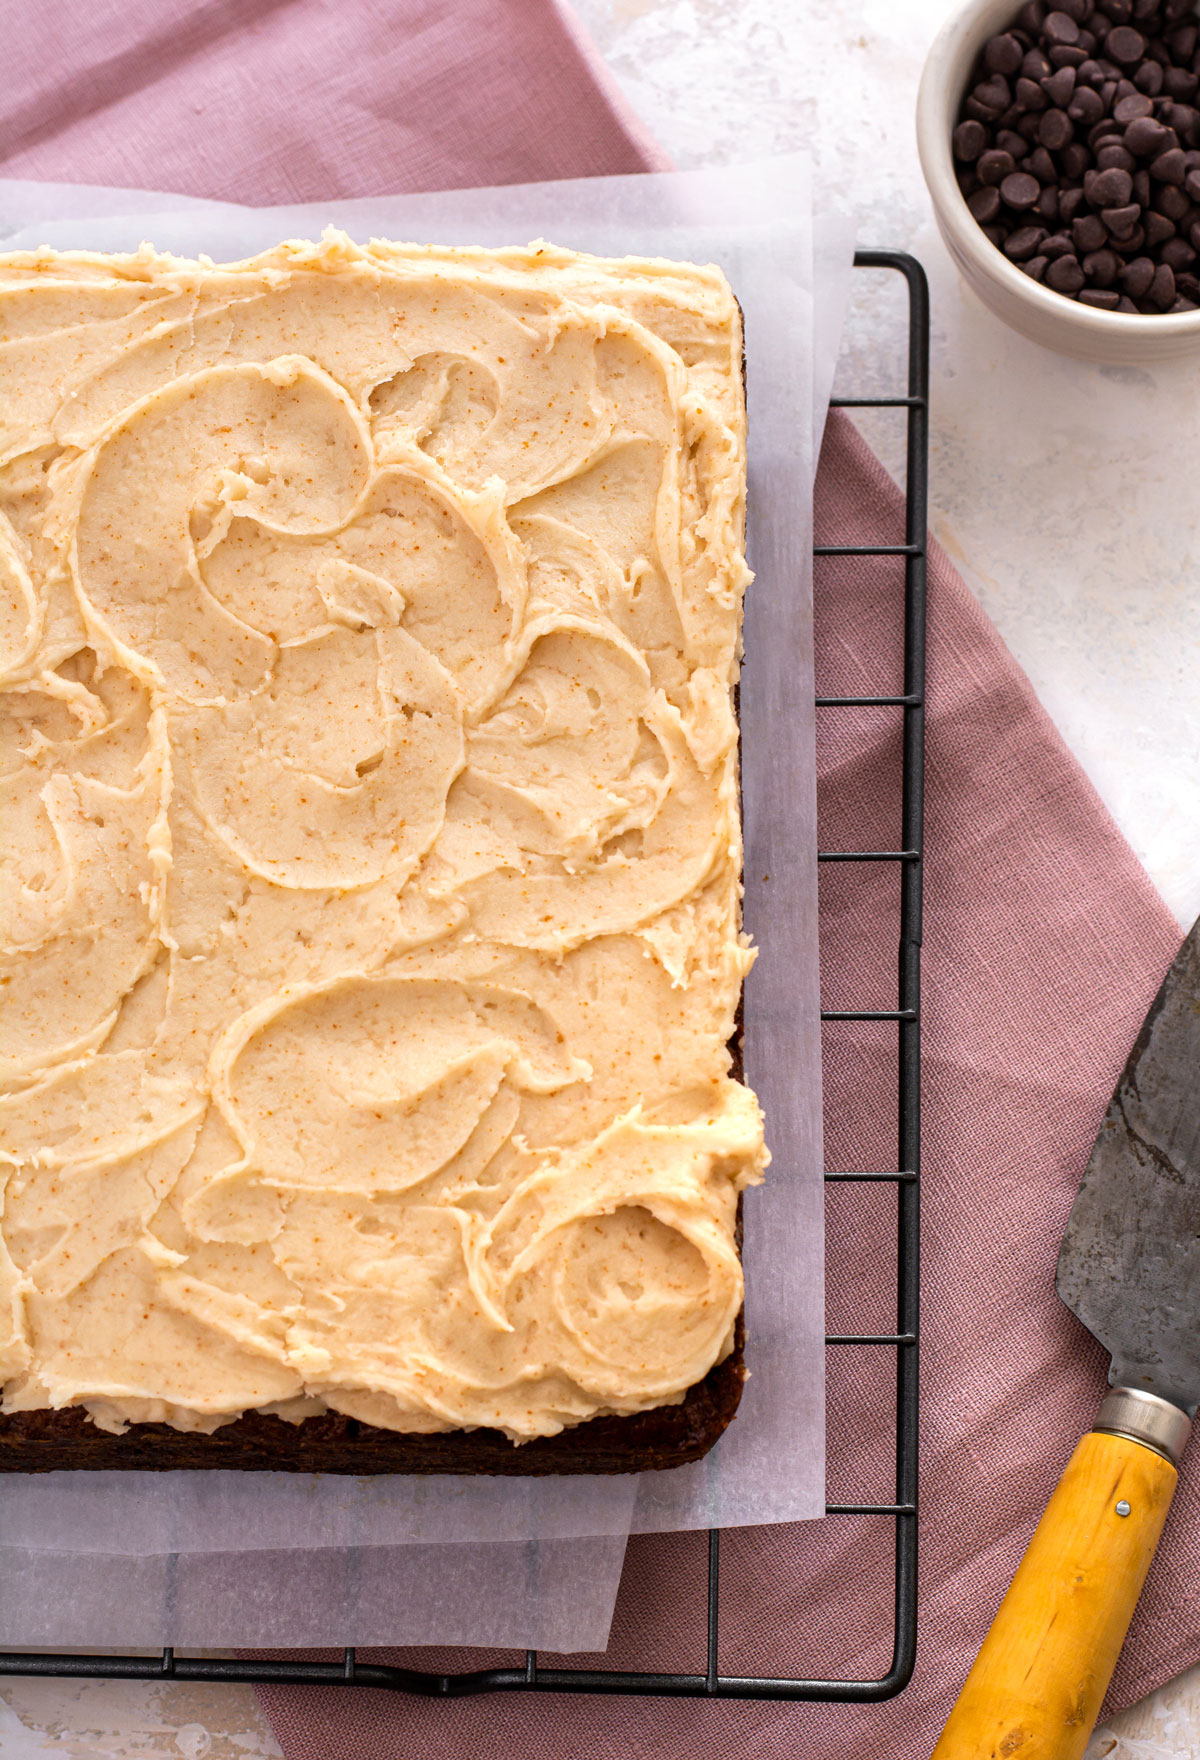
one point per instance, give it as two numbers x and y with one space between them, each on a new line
792 280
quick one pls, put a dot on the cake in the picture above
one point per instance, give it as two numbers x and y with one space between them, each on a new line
372 947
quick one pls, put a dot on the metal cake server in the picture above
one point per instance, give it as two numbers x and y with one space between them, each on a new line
1129 1267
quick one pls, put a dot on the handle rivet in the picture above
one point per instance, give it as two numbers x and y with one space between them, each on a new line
1122 1508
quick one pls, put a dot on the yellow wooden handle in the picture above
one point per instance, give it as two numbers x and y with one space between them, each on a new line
1037 1684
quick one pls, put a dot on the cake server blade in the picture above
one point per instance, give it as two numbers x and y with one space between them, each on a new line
1130 1260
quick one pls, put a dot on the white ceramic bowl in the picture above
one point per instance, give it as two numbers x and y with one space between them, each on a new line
1036 311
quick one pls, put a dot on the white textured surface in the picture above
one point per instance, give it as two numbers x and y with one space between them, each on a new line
132 1720
1064 492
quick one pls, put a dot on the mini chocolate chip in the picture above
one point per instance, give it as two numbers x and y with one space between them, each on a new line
1125 89
1170 200
1003 54
1101 267
1128 109
1182 41
1046 206
1107 301
1105 130
985 204
1028 126
1108 189
1180 117
1149 78
1087 42
1057 245
1121 221
1124 44
1067 55
1030 95
993 234
1169 166
1019 190
1023 242
1056 130
1158 229
1130 244
1162 288
1188 284
1137 276
1060 87
1073 161
970 139
1032 16
1035 65
1039 164
1009 141
1086 107
1079 10
1145 136
1061 30
1089 73
1089 233
994 166
980 112
1119 11
1112 153
1142 190
1178 253
1157 50
1035 268
1069 204
1100 26
1180 83
995 93
1185 120
1064 275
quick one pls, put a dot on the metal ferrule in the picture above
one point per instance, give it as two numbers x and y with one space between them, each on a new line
1145 1418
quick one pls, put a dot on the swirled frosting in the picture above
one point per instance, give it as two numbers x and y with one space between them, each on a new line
368 624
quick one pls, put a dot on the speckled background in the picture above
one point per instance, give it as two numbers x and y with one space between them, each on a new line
1065 493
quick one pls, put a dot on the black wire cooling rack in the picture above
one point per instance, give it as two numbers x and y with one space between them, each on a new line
711 1683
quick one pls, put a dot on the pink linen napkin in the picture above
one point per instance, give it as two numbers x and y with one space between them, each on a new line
295 100
1044 939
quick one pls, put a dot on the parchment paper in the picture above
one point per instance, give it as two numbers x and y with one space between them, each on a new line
66 1539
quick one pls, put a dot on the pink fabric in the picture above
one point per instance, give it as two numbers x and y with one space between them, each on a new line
293 100
1044 939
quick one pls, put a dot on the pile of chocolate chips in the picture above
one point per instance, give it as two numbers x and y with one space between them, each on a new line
1078 150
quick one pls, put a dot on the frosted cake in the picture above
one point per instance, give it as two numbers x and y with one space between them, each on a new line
371 620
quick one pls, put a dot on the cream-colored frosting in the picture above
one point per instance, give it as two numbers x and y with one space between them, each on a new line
368 626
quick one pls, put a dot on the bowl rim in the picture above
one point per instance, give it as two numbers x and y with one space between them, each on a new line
943 80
